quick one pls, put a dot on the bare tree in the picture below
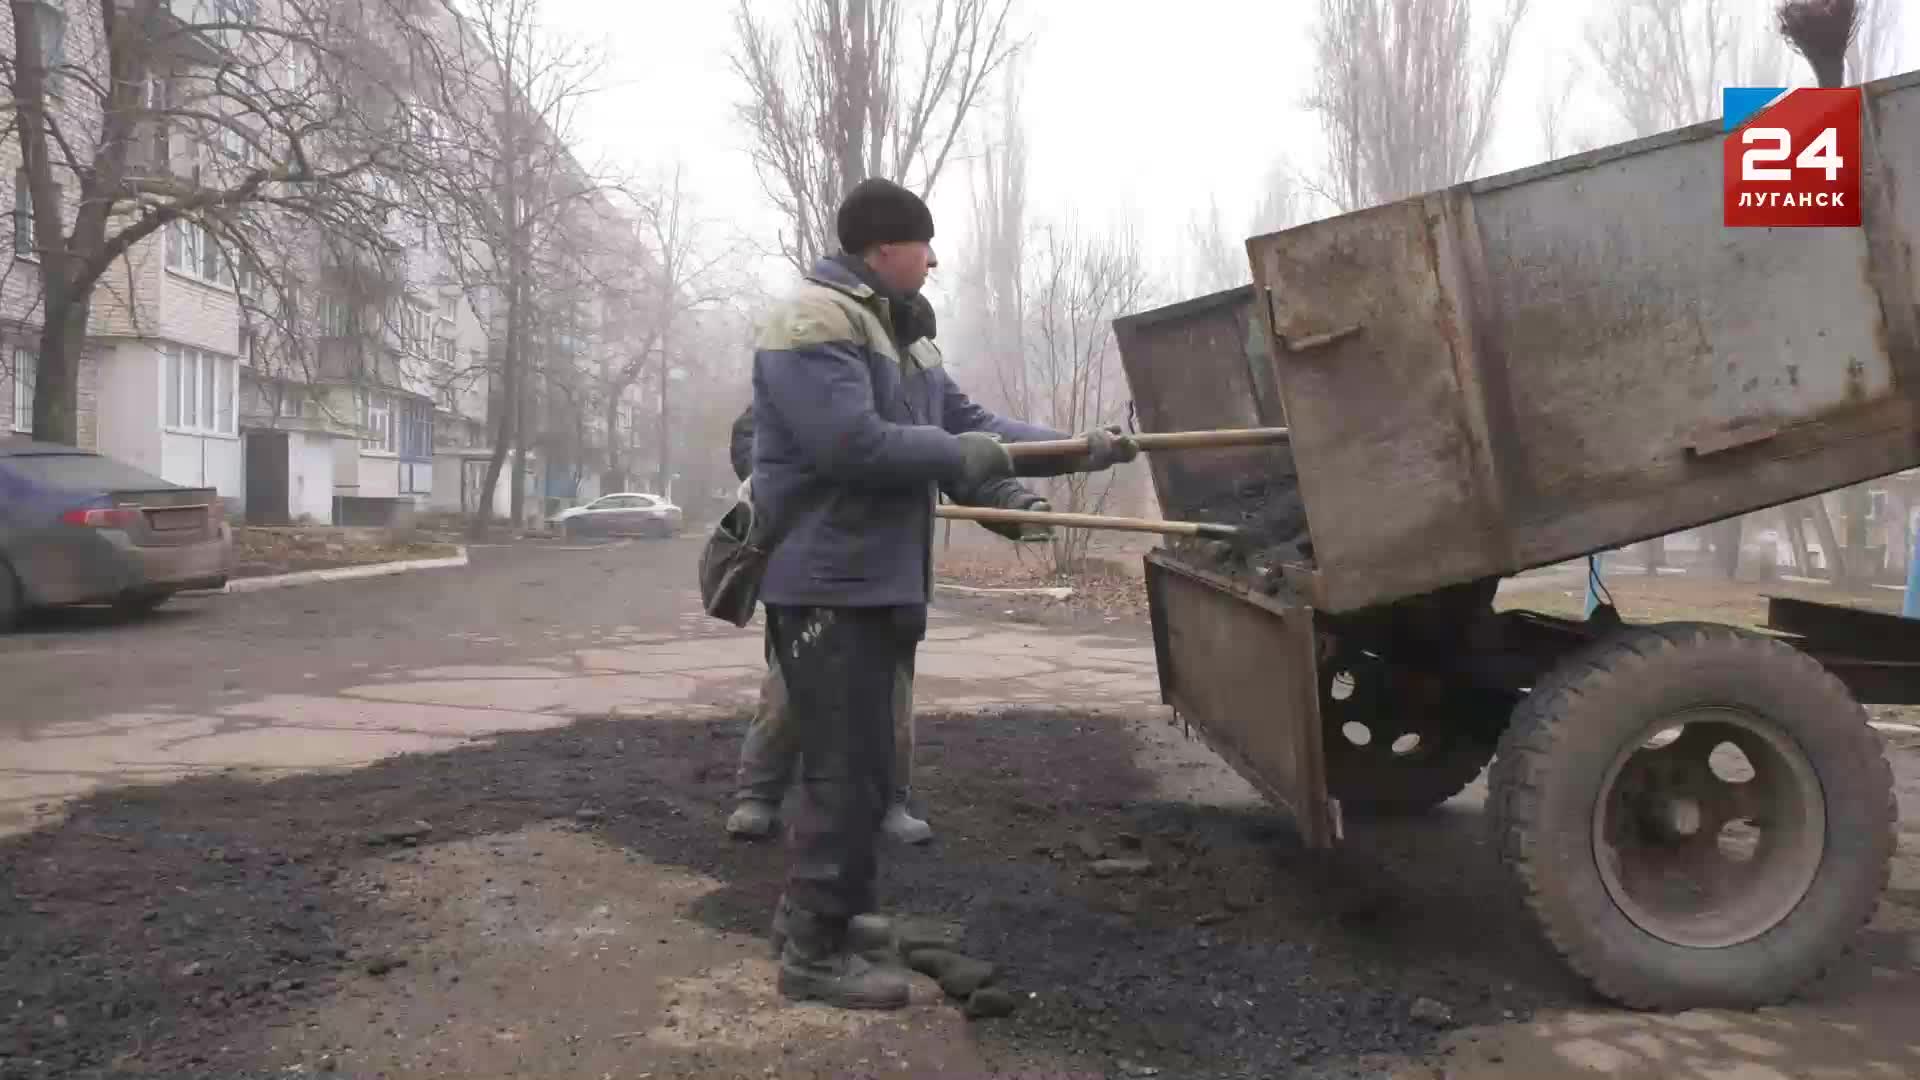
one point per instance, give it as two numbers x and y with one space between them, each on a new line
846 95
1283 200
1664 64
1216 255
224 121
1078 284
1874 50
1406 104
1556 139
1214 261
680 272
991 299
507 194
1844 41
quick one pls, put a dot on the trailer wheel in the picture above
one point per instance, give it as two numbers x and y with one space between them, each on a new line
1697 816
1397 743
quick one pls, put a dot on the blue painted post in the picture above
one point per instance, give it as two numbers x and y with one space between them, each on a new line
1593 582
1911 609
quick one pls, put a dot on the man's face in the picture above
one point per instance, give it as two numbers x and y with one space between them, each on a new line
903 266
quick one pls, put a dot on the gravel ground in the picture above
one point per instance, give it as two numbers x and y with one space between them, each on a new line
455 914
171 931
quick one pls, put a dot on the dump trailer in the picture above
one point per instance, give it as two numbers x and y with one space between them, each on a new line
1515 373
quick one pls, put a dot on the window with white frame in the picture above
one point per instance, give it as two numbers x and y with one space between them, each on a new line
192 250
26 368
376 417
416 429
413 326
335 317
200 391
159 129
51 23
23 244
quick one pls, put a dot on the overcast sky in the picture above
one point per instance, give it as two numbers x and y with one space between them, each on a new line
1129 109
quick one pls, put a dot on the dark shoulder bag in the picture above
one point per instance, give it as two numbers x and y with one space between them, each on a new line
735 559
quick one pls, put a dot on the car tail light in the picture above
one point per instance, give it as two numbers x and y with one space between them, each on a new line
117 518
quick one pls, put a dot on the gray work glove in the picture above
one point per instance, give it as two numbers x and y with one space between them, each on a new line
1108 446
982 460
1011 496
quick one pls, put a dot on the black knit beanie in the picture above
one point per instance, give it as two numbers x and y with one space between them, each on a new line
880 211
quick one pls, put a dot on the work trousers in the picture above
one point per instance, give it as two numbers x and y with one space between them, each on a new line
841 672
767 755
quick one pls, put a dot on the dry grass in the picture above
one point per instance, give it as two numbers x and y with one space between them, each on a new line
1676 597
262 551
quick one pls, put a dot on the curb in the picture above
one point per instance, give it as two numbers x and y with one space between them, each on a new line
342 573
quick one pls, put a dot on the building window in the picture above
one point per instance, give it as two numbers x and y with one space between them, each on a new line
26 370
376 417
51 24
416 430
335 317
23 244
192 250
159 100
413 326
200 391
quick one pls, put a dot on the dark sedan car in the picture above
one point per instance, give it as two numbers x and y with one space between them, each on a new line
80 528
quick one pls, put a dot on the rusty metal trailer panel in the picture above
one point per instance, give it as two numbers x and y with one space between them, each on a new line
1579 356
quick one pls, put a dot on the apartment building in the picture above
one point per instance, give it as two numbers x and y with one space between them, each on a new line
338 412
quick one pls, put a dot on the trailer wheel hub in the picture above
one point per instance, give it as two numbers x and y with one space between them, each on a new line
1711 830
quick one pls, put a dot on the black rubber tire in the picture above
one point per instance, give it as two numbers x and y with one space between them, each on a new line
1370 787
1545 787
1367 793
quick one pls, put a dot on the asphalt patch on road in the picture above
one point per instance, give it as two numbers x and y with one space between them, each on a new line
169 930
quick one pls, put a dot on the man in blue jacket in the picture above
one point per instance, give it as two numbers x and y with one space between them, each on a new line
856 427
768 754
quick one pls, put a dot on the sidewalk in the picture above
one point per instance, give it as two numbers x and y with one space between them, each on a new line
704 667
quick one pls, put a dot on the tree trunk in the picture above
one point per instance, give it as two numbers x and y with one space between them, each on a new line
615 477
1899 536
502 439
1793 521
1856 503
1837 570
56 389
1653 554
518 485
1726 540
664 480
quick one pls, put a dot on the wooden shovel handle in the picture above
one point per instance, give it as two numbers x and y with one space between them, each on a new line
1167 440
1085 521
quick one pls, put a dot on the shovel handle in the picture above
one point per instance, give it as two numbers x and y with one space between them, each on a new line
1086 521
1166 440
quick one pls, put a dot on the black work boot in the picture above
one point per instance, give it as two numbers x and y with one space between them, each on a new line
816 966
870 935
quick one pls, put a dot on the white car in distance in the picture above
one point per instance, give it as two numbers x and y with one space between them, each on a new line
626 513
